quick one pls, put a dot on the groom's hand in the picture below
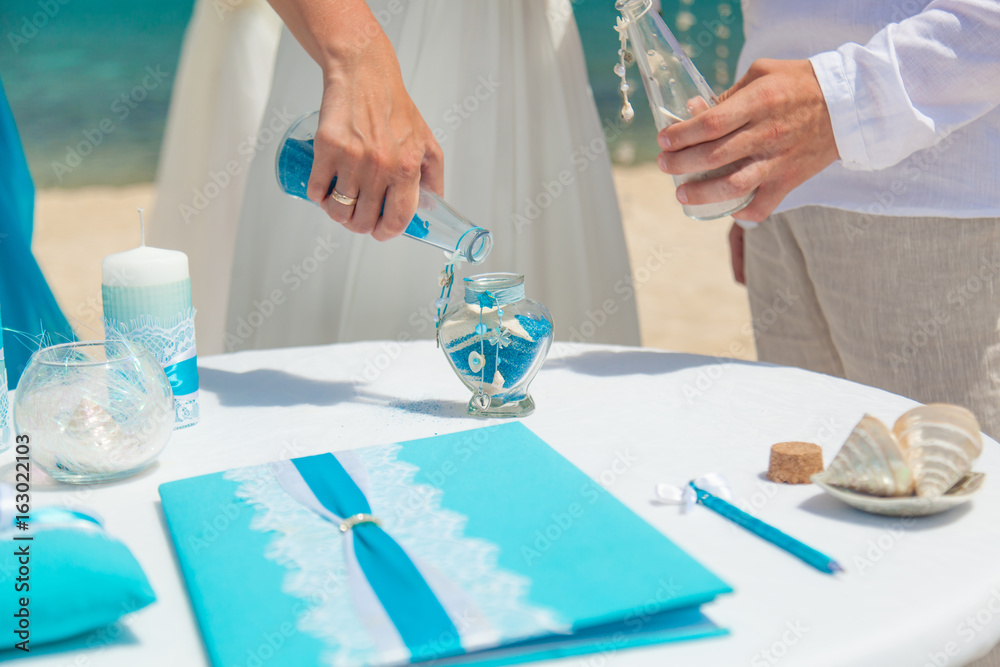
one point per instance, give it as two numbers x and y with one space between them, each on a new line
774 122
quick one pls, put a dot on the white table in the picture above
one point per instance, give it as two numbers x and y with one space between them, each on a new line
629 418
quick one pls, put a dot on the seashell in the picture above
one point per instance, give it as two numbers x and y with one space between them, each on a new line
476 361
940 443
870 461
92 424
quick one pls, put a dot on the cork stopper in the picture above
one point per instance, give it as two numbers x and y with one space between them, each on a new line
794 462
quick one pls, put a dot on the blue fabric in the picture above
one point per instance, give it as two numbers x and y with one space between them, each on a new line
218 551
28 303
416 612
183 376
79 580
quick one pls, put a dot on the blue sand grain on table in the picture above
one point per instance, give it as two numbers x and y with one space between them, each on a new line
295 165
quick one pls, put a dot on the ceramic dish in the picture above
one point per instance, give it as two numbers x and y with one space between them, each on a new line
961 493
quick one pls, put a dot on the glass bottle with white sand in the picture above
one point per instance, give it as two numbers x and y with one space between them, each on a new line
676 89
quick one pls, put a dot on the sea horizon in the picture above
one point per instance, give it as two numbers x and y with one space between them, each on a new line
96 77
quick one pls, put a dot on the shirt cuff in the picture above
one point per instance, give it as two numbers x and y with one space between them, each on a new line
840 102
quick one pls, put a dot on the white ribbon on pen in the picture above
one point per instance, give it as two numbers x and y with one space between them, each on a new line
713 482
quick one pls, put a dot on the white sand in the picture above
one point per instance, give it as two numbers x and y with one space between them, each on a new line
687 302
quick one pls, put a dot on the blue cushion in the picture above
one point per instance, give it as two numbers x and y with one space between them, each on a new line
77 581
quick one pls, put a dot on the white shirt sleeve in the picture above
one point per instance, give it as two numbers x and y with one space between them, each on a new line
913 83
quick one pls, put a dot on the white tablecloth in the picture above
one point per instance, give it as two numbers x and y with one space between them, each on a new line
916 592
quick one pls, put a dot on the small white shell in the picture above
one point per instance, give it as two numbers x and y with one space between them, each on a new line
940 443
476 361
870 461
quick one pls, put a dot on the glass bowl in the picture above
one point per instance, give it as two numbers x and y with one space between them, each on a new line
94 411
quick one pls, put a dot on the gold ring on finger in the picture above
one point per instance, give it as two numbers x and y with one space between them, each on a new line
343 199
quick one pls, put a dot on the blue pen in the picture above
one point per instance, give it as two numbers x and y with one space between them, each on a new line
818 560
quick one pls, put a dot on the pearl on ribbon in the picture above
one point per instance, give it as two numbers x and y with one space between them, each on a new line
713 482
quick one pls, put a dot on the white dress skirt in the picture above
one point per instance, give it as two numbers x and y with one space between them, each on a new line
503 85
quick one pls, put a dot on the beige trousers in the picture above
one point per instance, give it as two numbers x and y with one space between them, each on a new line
910 305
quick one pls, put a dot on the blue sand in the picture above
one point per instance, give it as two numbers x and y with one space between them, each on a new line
294 167
536 328
515 360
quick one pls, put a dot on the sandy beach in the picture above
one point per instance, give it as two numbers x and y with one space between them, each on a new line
687 303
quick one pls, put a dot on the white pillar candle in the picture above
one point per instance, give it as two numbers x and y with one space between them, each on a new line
147 299
144 266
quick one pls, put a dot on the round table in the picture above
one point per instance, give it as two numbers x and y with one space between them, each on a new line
915 591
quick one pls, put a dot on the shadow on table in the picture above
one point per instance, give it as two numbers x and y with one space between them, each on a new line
77 648
604 363
272 388
431 407
829 507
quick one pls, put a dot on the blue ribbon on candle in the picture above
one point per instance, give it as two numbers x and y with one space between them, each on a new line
419 617
183 376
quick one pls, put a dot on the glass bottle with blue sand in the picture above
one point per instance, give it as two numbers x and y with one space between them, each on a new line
435 222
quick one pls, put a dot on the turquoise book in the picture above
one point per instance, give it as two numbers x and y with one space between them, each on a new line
483 547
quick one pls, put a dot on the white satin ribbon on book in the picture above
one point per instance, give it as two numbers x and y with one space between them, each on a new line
474 629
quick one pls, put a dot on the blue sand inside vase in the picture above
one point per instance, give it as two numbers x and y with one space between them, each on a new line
294 167
537 329
515 360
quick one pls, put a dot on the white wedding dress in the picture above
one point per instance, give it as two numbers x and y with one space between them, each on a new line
503 85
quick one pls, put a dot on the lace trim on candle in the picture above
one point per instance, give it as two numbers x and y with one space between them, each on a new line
169 341
186 412
312 551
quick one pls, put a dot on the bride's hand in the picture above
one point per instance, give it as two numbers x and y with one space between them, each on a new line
371 137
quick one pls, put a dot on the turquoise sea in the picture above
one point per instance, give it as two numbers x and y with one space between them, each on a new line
100 72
